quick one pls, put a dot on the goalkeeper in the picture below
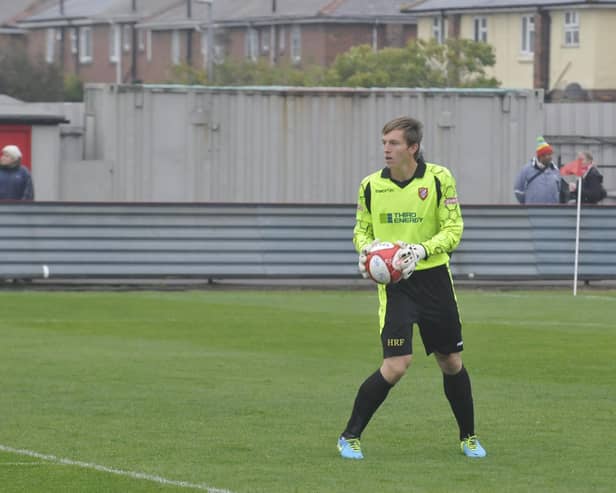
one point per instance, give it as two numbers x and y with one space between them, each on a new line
414 204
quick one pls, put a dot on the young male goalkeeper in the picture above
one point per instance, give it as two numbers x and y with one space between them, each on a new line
415 204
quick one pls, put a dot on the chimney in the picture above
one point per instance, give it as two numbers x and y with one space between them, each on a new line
62 8
189 9
134 6
273 6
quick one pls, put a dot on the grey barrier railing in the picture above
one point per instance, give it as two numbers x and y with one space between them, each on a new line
223 241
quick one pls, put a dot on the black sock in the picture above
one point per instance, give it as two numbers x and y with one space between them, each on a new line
370 396
460 397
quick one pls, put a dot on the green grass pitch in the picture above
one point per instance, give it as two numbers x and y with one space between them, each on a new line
246 392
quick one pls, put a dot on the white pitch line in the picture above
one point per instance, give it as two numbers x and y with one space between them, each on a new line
111 470
27 464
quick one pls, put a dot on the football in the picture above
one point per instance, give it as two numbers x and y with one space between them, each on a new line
379 263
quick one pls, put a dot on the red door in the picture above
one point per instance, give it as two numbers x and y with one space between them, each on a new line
21 136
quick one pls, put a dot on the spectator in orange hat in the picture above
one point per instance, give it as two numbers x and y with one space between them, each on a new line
539 181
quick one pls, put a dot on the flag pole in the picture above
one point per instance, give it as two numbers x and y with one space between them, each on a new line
577 234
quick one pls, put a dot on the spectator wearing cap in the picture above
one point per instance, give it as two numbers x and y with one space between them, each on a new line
539 181
15 179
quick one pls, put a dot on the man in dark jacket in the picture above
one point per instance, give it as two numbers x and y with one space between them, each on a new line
15 179
592 179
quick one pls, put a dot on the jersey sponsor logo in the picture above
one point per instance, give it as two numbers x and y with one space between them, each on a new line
451 201
400 218
395 342
384 190
423 193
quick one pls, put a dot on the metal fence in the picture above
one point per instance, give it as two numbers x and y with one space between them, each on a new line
275 145
286 145
223 241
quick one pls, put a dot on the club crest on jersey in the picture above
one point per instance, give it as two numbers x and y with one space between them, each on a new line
423 193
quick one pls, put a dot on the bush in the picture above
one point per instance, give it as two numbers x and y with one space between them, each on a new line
73 89
28 80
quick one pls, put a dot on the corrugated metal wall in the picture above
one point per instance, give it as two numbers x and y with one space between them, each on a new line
282 145
277 241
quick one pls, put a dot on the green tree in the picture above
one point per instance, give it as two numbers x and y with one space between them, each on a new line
456 63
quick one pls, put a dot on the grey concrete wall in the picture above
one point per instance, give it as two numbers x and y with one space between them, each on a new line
282 145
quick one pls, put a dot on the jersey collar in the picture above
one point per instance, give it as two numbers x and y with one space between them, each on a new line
419 172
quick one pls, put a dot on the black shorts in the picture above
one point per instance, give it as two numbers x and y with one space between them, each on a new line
426 298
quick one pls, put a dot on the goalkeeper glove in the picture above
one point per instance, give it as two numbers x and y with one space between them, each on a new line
363 256
407 257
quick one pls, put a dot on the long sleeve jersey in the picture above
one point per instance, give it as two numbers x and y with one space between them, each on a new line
424 211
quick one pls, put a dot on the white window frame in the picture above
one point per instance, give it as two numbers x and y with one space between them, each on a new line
175 47
295 47
282 39
50 45
204 45
527 24
204 48
148 45
265 36
74 41
437 29
572 28
252 44
85 44
219 53
114 42
127 37
141 40
480 29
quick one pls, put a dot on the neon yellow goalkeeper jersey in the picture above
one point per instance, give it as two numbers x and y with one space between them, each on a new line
425 211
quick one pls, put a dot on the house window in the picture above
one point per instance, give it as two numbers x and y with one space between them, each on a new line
141 39
572 29
50 45
74 41
296 44
282 40
175 47
480 28
127 34
85 44
252 44
265 41
528 34
114 43
148 45
437 29
204 45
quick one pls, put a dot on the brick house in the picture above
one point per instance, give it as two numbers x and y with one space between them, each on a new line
280 31
141 40
311 31
11 11
562 46
95 40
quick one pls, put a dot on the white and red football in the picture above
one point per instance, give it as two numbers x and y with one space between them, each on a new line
379 263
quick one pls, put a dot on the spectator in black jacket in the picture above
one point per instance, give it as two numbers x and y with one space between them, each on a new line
592 179
15 179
